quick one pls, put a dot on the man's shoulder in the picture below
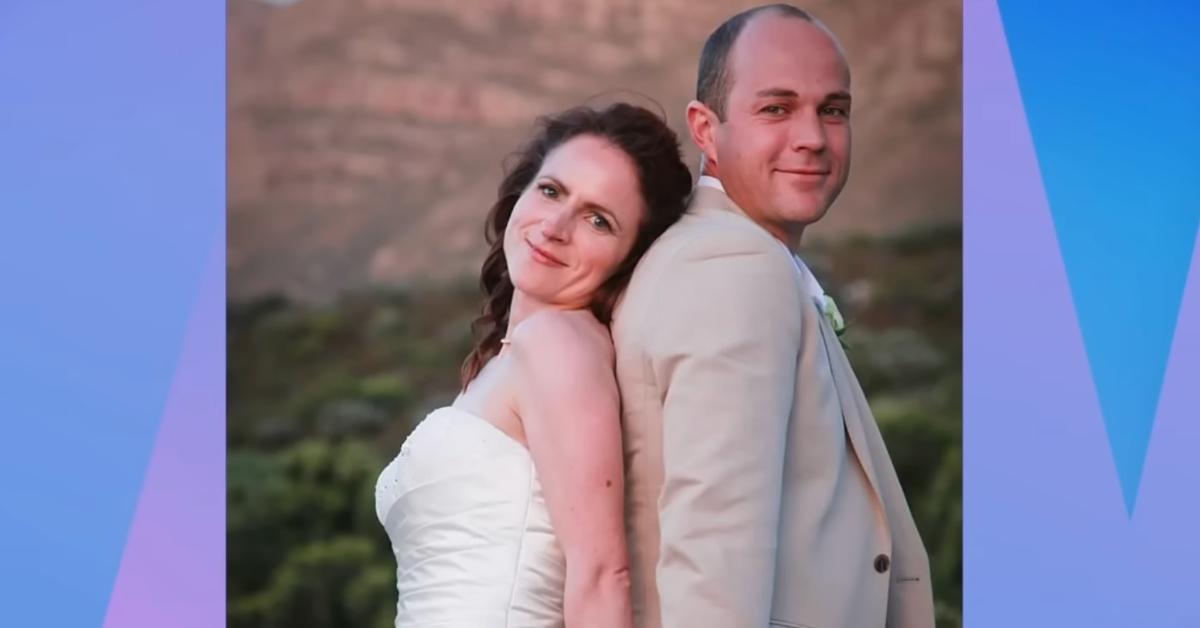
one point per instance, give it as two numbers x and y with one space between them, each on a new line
706 257
707 233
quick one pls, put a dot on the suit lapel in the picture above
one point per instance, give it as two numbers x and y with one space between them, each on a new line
852 409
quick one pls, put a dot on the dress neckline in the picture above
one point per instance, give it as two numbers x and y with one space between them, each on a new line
475 418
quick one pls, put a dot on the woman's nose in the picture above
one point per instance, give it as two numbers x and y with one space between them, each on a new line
556 225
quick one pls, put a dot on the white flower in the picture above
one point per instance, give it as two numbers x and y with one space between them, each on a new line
832 314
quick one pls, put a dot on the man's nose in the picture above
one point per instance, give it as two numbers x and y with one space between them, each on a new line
808 132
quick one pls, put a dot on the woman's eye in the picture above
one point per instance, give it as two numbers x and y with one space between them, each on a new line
547 190
600 222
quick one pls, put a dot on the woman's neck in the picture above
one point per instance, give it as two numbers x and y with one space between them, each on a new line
523 306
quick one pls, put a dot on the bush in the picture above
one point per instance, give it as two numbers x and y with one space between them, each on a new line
320 398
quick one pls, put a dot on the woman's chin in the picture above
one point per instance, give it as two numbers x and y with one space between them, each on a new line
552 299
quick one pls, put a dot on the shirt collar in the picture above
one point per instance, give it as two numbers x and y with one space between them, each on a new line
706 181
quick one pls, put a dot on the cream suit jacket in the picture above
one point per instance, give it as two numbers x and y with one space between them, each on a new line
759 491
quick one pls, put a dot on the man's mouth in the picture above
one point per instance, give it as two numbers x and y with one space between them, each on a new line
810 172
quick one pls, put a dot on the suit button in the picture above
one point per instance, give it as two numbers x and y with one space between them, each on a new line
881 563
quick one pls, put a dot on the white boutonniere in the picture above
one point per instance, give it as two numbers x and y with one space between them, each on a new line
836 322
824 302
830 309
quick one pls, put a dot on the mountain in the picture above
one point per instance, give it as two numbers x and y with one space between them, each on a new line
365 137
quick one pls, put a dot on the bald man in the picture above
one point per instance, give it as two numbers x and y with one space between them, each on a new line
759 490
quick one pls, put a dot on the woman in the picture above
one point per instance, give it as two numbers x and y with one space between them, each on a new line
506 508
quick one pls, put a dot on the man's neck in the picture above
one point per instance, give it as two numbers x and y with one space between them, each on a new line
787 233
790 236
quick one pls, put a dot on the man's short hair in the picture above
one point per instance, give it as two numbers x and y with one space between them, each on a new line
714 79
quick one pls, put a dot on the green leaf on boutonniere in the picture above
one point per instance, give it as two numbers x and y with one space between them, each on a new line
832 314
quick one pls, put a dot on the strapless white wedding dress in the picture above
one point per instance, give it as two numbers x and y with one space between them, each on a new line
468 524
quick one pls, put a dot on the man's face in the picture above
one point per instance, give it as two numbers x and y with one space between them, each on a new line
783 149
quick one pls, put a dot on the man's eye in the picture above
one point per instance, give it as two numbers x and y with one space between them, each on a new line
774 110
836 112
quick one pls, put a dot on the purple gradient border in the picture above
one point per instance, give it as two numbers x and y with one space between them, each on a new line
1047 539
173 569
112 342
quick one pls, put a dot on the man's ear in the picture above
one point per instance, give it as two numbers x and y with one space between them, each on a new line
702 124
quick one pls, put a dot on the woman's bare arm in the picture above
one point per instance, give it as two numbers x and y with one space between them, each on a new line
569 405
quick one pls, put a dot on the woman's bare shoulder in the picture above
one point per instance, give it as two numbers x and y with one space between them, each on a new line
568 334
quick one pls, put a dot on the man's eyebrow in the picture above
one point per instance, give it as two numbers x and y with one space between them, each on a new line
776 92
783 92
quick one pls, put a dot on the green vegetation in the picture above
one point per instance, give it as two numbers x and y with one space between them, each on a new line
321 397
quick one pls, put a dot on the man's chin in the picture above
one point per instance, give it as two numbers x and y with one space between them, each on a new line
804 211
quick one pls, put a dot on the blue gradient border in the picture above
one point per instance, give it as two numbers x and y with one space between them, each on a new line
1082 314
112 343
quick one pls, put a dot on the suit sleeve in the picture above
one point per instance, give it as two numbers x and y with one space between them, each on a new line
723 338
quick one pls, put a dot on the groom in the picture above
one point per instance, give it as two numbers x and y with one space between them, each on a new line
759 490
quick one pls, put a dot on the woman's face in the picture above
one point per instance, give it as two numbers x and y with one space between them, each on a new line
575 223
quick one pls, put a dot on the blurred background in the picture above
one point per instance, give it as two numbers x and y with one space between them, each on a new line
365 142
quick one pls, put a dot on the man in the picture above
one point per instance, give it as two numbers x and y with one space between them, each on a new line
759 490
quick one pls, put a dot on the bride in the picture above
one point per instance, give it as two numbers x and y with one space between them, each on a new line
505 509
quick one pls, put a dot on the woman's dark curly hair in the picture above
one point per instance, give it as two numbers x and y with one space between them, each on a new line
664 181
